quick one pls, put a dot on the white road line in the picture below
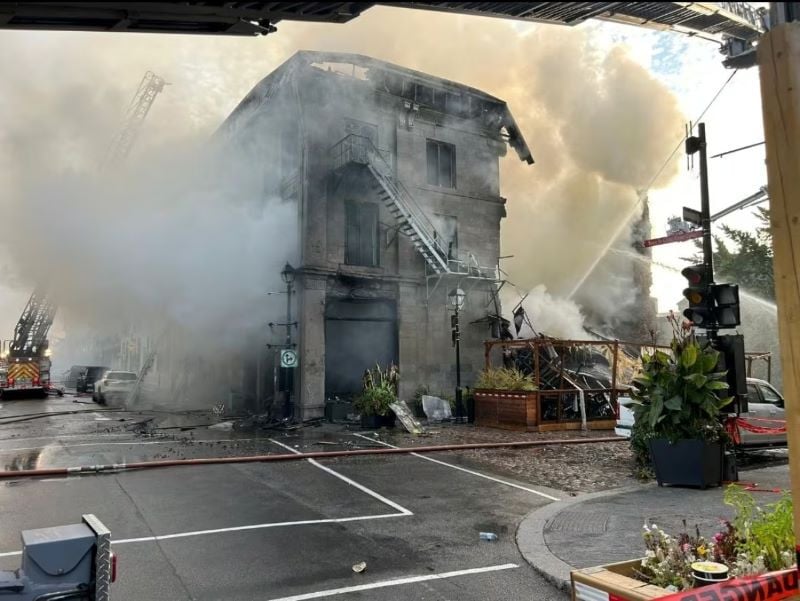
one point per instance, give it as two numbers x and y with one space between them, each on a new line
396 582
161 537
462 469
360 487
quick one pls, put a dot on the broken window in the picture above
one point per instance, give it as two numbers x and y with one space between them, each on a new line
441 164
361 234
446 233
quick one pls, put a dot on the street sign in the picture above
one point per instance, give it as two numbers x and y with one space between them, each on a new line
288 358
681 237
692 216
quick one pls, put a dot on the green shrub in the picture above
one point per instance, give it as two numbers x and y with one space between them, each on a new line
504 379
379 391
677 395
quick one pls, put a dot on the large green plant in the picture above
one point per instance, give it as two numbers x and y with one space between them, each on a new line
380 391
677 394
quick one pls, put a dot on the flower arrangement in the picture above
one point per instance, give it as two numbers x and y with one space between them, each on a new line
757 540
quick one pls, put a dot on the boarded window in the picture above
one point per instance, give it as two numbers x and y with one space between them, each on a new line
361 235
441 164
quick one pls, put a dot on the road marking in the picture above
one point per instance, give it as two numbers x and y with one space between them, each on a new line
162 537
396 582
360 487
465 470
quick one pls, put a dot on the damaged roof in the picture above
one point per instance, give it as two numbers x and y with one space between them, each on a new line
377 71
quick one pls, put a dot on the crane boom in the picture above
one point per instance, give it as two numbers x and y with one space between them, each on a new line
30 334
149 88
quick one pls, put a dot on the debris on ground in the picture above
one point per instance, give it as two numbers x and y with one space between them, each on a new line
360 567
570 468
225 426
406 418
436 409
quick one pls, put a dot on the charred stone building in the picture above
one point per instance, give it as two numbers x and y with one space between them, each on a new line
395 179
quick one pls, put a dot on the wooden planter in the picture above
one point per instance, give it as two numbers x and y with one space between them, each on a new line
614 579
519 410
508 409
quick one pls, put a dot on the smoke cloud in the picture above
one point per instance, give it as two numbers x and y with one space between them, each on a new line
186 237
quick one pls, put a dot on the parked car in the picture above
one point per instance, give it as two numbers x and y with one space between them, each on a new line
763 402
113 384
88 376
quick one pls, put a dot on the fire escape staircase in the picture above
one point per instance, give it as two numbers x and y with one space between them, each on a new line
410 217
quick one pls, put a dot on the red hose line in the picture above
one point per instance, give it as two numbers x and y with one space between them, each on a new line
93 469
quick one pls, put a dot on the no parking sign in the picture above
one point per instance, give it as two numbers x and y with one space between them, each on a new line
288 358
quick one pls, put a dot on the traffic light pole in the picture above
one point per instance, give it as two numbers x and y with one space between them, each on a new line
698 144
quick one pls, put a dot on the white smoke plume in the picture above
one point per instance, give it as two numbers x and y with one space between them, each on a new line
188 238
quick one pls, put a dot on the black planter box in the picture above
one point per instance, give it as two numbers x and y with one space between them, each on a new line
687 462
375 422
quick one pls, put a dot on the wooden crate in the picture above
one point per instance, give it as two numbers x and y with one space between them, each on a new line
615 579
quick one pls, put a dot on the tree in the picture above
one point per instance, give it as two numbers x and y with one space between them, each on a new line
748 261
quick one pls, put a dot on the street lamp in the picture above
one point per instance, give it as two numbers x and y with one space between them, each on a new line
287 275
457 297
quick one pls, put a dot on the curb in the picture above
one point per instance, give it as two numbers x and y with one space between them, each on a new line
533 546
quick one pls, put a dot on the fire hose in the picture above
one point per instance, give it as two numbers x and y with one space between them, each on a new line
116 467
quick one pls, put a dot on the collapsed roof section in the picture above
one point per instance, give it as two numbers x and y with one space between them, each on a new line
419 89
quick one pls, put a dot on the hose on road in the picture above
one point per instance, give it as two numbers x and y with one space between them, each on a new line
116 467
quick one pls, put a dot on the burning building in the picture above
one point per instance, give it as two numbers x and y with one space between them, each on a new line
394 175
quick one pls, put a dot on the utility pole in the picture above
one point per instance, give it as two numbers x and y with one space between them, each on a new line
779 68
697 144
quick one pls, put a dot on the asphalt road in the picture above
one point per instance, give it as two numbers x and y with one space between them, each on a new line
280 531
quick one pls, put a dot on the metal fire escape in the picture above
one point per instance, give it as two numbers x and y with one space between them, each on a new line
412 221
30 333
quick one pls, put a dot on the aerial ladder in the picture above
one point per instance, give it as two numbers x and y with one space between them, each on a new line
25 364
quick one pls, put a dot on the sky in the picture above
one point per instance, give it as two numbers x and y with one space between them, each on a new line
91 76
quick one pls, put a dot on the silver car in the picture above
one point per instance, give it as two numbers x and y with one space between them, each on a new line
763 403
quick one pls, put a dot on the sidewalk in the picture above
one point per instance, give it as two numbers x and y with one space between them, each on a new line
606 527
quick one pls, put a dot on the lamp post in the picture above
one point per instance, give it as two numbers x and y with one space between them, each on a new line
287 275
457 297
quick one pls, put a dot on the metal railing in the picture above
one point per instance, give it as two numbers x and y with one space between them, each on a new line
360 150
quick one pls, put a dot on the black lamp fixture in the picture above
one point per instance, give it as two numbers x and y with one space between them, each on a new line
287 274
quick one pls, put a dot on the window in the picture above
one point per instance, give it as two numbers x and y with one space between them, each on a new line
752 393
770 396
441 164
446 233
361 234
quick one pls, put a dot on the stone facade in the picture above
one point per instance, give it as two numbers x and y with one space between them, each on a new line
364 295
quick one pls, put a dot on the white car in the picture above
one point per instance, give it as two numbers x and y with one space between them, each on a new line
113 384
765 407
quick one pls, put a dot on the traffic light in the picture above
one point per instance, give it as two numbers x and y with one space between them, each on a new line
699 295
726 299
731 361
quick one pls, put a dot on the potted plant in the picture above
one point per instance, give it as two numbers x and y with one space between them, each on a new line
379 391
756 541
676 400
505 398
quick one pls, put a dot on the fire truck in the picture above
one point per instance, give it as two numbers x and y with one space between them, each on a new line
25 364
